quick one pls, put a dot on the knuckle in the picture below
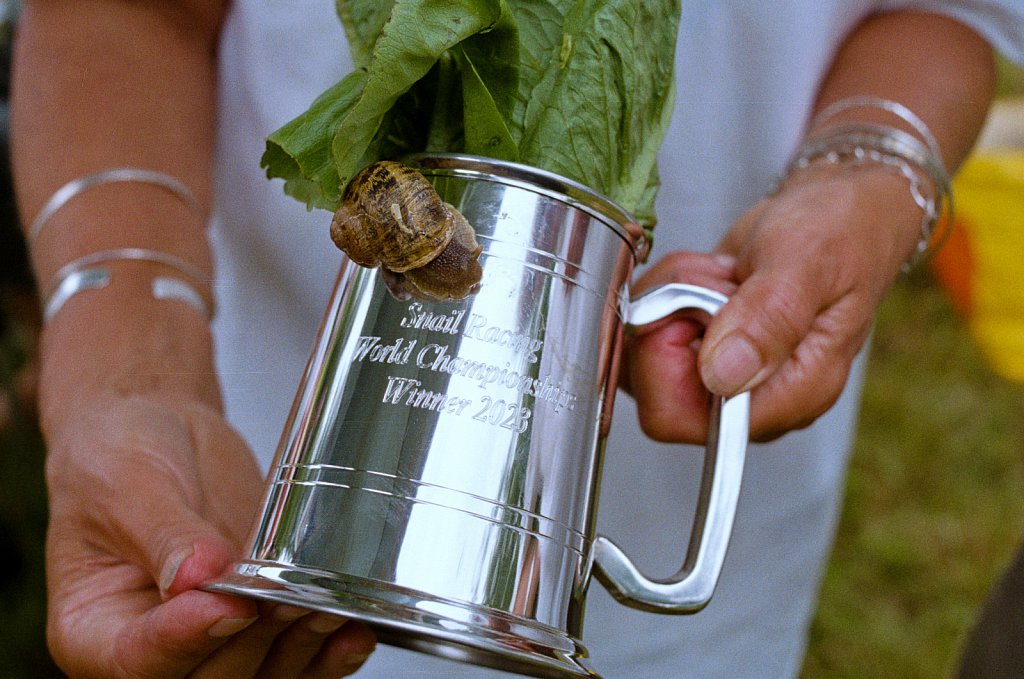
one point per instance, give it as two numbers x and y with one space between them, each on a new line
781 319
808 401
672 426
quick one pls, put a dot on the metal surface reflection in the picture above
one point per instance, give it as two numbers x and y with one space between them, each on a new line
438 475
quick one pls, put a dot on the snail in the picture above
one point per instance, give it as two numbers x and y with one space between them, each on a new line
392 217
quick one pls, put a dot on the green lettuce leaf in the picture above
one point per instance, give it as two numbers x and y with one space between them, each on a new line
485 132
355 121
301 151
363 22
599 112
578 87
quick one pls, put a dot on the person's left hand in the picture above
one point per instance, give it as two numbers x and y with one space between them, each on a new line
812 262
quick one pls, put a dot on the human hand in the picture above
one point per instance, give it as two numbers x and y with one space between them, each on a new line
660 359
137 529
812 263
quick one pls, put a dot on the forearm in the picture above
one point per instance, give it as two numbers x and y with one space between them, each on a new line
97 85
937 67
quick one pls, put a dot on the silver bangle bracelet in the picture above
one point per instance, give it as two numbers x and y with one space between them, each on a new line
890 140
119 174
896 149
887 105
138 254
86 273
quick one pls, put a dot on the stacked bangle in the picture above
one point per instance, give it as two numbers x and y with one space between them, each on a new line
91 272
916 160
118 174
893 107
88 273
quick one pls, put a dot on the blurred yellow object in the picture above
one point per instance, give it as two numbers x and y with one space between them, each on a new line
982 263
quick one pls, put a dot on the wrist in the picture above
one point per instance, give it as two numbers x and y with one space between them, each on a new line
871 148
179 281
865 211
118 342
848 132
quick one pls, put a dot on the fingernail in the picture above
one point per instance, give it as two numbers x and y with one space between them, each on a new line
733 364
325 624
229 627
355 659
170 569
727 261
285 613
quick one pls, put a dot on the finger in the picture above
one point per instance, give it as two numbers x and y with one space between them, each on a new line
716 272
304 645
662 376
760 327
776 409
343 653
810 381
248 651
185 551
295 648
659 364
169 640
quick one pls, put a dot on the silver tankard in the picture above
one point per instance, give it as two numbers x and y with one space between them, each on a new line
438 475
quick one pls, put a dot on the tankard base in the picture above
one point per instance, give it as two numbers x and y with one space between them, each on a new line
410 619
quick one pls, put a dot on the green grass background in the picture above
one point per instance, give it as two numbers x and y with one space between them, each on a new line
934 504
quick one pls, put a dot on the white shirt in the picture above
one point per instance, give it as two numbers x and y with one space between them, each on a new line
747 75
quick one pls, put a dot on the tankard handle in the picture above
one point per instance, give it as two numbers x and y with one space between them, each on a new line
689 590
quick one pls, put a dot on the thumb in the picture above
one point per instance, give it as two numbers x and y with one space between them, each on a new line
190 561
757 331
192 527
175 544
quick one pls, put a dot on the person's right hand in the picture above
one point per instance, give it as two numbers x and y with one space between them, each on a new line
151 495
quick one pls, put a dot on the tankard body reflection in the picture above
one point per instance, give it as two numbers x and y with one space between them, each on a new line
438 476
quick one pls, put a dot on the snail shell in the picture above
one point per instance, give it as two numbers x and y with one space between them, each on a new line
391 216
453 274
